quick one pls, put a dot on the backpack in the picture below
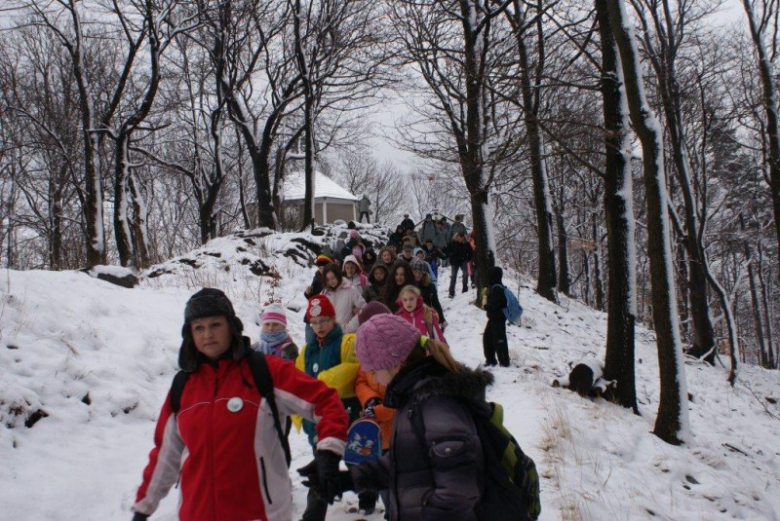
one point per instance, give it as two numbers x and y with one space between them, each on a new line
511 483
264 384
513 310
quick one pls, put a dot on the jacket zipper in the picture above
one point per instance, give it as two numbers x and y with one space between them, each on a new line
265 481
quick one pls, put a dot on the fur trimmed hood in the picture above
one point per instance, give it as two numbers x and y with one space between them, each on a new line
427 379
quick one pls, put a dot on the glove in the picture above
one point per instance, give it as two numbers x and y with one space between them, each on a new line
313 480
140 517
328 475
368 409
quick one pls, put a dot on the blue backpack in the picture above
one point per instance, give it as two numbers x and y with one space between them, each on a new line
513 310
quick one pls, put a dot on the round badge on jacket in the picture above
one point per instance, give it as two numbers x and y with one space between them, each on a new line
235 404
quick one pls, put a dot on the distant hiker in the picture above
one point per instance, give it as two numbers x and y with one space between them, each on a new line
435 473
369 258
407 223
494 342
218 441
459 253
457 227
428 229
397 237
386 257
317 282
428 290
329 356
346 297
353 273
419 255
432 256
364 206
400 276
274 338
411 238
407 253
413 309
377 279
442 238
354 246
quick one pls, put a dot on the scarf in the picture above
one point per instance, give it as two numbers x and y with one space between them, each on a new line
271 343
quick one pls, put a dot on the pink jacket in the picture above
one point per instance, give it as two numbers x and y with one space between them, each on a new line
417 319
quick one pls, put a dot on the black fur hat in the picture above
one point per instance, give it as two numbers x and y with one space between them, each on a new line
208 302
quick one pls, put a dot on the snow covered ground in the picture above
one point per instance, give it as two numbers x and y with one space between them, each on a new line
97 360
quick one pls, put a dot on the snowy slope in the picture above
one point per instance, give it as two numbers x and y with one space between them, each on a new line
98 360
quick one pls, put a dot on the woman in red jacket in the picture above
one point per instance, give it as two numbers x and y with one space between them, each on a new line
222 445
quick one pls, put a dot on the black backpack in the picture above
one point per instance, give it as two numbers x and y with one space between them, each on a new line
264 385
511 484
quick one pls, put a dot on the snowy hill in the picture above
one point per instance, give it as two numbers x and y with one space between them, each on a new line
85 365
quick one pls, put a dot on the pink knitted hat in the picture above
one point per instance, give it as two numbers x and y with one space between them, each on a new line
385 341
274 313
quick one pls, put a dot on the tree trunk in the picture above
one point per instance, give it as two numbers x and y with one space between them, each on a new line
138 228
55 216
598 283
672 420
618 198
770 342
564 282
770 86
121 226
547 283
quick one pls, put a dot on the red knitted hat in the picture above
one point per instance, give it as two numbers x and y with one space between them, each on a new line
320 306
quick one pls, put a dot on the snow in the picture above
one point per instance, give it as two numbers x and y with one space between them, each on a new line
65 335
324 187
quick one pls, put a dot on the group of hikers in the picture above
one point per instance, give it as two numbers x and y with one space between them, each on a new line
374 347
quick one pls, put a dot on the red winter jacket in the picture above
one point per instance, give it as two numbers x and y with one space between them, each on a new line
231 465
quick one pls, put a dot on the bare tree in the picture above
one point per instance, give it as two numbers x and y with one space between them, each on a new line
672 420
764 27
453 46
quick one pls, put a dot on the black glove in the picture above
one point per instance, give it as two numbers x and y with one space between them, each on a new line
368 409
328 475
313 481
140 517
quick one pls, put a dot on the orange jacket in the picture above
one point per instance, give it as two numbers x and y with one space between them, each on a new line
366 388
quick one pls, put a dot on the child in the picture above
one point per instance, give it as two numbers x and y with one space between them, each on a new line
274 338
412 309
494 338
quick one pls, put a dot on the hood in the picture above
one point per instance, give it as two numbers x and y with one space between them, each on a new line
495 274
418 249
371 278
402 309
427 379
353 260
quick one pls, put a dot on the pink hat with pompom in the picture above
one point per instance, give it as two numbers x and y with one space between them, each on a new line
384 342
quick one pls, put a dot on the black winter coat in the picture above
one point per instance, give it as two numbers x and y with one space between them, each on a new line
440 479
458 252
496 301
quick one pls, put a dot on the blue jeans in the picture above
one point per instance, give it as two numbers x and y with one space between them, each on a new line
454 273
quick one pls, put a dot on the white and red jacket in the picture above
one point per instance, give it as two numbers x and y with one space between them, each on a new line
231 465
